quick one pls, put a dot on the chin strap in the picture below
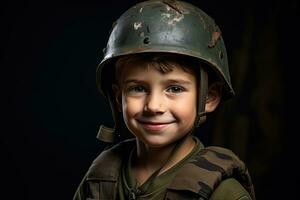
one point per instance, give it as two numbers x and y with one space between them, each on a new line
106 134
203 85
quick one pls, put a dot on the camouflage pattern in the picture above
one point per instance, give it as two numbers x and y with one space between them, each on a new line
214 164
198 179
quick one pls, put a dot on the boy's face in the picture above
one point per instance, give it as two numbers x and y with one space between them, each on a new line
158 108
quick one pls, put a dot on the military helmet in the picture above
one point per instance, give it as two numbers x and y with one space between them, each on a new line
167 26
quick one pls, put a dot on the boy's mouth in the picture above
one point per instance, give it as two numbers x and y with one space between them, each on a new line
154 125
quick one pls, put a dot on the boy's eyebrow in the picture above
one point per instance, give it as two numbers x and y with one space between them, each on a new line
169 81
179 81
133 81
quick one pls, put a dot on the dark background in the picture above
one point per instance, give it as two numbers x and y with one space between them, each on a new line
52 109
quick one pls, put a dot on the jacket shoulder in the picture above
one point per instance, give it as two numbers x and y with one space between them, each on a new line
109 161
230 189
211 168
100 180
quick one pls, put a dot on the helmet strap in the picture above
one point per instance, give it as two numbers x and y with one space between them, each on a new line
106 134
203 89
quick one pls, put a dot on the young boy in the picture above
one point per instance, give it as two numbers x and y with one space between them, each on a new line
165 67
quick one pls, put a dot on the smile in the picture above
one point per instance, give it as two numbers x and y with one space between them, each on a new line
154 126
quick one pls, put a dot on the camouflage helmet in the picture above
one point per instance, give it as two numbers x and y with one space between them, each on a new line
167 26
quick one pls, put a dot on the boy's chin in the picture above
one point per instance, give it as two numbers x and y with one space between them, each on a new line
157 142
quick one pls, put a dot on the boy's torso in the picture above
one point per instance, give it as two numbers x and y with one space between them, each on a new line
155 187
197 179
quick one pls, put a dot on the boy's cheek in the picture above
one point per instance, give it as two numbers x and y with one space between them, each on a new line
185 106
131 107
185 110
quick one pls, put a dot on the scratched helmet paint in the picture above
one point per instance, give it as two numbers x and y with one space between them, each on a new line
164 26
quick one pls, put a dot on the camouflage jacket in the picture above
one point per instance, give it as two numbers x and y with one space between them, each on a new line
215 173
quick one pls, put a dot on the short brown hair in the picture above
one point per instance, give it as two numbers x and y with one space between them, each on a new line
163 62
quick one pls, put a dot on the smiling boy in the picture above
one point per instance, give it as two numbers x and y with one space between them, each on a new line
164 69
158 107
157 94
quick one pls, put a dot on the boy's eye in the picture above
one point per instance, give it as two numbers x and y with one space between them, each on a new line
136 89
175 89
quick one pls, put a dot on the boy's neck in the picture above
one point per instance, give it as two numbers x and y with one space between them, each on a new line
148 160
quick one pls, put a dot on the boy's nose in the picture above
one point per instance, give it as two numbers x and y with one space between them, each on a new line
154 103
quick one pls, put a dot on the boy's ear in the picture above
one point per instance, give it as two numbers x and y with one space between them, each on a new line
213 97
118 96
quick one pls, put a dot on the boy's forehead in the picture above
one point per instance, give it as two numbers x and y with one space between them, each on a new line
166 65
148 67
138 70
